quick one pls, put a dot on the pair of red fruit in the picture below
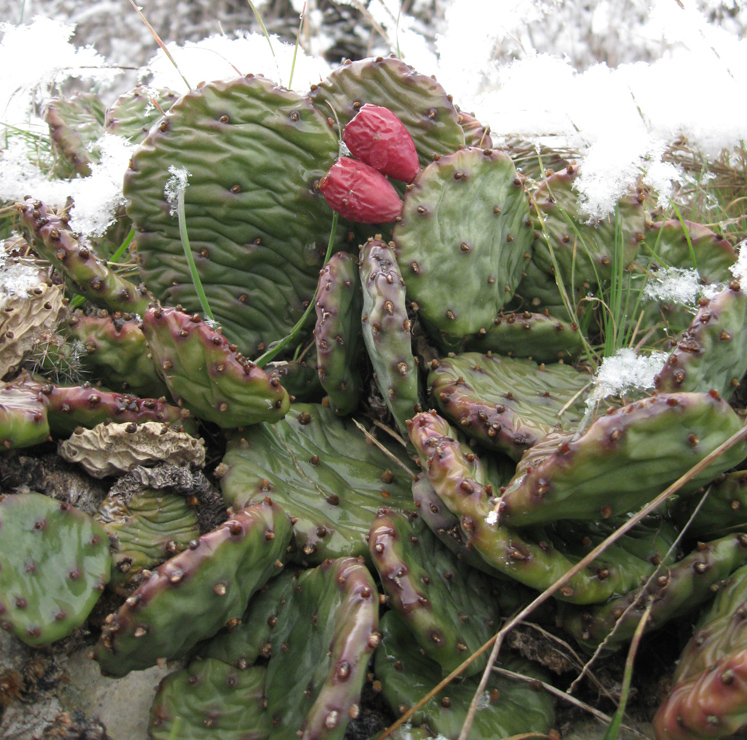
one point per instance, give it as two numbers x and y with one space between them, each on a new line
358 189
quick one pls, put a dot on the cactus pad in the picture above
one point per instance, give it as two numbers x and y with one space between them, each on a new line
256 225
512 708
507 404
206 373
54 564
323 472
190 597
464 239
635 452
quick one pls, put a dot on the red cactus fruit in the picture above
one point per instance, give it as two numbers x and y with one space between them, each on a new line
360 193
377 137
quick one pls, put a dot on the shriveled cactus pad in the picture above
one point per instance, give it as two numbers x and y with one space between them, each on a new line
54 564
323 472
256 226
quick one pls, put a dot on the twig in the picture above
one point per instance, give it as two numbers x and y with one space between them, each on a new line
388 453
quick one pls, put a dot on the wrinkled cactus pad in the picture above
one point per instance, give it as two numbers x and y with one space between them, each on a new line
190 597
507 404
54 564
211 700
322 640
257 227
323 472
447 605
635 451
205 372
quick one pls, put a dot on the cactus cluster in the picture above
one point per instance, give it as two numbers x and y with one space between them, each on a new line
425 453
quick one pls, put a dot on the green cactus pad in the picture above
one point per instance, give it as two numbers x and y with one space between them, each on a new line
243 644
323 472
83 269
724 508
511 708
337 331
299 377
418 101
624 460
463 241
190 597
75 124
507 404
447 605
211 700
677 590
115 351
710 354
23 415
322 642
132 114
537 557
536 336
145 529
205 373
386 331
54 564
584 252
685 244
257 227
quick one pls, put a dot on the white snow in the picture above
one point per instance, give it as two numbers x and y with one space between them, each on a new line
675 285
175 186
739 268
623 371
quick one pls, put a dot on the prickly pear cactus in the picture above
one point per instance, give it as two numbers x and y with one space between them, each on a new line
211 699
447 605
678 589
585 253
145 530
505 403
510 708
132 114
54 564
332 482
464 239
115 351
535 557
23 415
386 331
256 225
418 101
205 372
190 597
75 124
323 638
536 336
709 699
710 354
337 331
635 451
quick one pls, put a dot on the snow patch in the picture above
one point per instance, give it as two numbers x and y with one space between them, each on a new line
175 186
624 371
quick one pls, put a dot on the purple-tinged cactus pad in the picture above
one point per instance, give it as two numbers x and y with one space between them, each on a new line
207 374
54 564
190 597
507 404
322 642
625 459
